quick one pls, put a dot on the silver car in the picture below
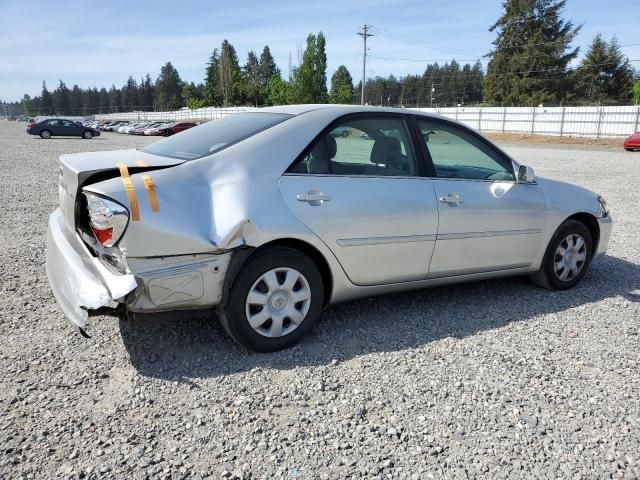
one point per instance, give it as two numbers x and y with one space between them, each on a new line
270 216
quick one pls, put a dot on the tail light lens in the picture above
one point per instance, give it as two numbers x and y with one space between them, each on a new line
108 220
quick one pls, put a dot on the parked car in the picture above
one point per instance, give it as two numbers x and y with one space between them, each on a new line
267 217
175 128
30 123
114 126
154 130
632 142
60 127
342 132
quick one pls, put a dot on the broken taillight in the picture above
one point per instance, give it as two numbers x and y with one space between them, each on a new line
107 219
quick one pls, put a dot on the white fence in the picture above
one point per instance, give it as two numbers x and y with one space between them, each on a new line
570 121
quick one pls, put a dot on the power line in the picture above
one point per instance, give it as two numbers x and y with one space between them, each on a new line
405 38
364 33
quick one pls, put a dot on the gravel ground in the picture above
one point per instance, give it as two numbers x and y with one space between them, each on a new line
497 379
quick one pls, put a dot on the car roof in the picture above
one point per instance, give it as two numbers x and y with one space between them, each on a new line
342 109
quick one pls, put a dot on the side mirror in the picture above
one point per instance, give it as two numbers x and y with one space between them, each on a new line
526 174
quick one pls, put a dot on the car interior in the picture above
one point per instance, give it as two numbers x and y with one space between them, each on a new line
385 150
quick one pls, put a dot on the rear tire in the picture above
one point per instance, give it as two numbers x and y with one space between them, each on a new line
46 134
87 135
280 291
567 257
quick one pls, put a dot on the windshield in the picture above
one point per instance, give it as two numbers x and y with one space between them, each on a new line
215 135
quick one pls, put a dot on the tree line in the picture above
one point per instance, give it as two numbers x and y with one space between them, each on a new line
529 64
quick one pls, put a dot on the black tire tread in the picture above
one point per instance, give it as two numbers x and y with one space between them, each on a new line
544 277
232 316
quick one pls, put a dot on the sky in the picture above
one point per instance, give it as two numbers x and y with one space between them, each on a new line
103 42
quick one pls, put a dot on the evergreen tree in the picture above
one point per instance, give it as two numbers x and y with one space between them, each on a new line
114 99
168 90
211 82
229 75
61 99
252 79
75 100
268 68
25 105
310 78
604 75
145 94
46 100
531 53
341 86
130 95
278 91
103 101
91 101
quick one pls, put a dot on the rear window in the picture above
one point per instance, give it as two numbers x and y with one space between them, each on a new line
215 135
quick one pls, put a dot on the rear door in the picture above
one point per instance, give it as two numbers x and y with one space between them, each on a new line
487 220
363 196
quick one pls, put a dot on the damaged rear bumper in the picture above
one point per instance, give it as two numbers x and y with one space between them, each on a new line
80 282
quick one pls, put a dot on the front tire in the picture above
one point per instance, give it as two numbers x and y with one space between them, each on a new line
45 134
274 301
567 257
87 135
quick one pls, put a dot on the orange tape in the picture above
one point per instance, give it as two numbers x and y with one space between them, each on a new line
150 187
140 163
130 191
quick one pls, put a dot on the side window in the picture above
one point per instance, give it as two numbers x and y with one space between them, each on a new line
458 154
54 122
67 123
378 146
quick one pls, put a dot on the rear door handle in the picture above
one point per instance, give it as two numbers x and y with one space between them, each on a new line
313 197
452 199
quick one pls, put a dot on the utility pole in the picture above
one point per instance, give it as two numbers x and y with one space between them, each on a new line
364 33
433 89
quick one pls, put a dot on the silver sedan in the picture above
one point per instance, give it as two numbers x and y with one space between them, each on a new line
272 215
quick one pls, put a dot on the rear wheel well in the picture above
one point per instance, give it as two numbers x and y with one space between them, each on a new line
591 223
307 249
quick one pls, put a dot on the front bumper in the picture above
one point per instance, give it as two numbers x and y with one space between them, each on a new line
606 225
80 282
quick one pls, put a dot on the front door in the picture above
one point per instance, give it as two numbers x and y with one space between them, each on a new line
71 129
357 188
487 221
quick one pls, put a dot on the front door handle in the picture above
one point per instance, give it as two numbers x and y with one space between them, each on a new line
452 199
314 197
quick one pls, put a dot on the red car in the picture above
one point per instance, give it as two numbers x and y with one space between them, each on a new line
632 142
175 128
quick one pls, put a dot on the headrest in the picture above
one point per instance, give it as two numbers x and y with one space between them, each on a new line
321 154
386 151
332 146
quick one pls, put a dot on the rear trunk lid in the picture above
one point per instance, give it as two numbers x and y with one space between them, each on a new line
80 169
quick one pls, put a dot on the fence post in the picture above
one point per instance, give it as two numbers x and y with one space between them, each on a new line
456 113
635 127
480 119
533 119
599 122
562 121
504 118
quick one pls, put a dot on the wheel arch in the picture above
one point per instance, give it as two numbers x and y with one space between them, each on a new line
591 222
243 255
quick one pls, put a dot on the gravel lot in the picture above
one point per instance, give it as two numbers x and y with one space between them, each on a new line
497 379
